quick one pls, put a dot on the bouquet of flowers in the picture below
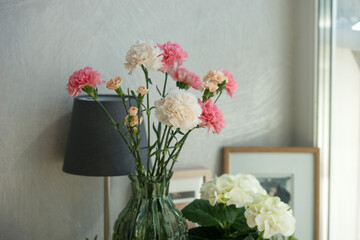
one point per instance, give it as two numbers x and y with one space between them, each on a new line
178 112
237 207
150 213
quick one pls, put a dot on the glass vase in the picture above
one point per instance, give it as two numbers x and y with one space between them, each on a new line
150 213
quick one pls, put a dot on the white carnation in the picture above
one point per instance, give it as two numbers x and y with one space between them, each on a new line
180 109
144 53
238 190
270 215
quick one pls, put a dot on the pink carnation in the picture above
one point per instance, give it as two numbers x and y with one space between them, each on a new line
231 85
173 53
81 78
211 116
184 75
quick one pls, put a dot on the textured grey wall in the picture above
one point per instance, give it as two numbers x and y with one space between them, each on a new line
43 41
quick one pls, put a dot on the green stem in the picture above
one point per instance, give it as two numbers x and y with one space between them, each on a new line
163 137
227 229
159 147
121 94
148 115
260 236
221 225
218 96
158 142
124 104
157 160
115 125
154 167
162 164
178 152
166 77
137 142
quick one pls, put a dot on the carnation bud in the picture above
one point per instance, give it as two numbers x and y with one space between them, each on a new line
114 83
133 121
133 130
133 111
142 90
215 77
128 119
211 87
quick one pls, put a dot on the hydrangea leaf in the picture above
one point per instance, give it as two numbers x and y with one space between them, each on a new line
201 212
205 233
292 238
249 238
240 224
229 214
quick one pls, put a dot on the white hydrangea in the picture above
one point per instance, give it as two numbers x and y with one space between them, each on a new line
270 215
229 189
144 53
180 109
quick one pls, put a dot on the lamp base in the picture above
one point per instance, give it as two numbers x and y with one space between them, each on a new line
106 207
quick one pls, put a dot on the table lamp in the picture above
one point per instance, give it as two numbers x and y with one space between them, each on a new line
95 148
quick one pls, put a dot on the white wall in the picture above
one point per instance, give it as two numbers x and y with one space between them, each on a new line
43 42
345 140
304 87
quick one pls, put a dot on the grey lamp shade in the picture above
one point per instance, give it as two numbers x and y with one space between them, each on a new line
94 147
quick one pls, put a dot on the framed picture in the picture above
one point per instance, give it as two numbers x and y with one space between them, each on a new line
278 185
290 173
185 186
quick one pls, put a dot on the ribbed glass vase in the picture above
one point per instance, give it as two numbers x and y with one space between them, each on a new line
150 214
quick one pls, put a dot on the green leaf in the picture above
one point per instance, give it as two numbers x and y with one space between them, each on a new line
205 233
252 235
229 213
158 151
240 222
292 238
157 88
249 238
173 134
178 130
155 130
152 147
150 81
200 211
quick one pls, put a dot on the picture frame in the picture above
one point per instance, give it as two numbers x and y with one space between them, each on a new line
185 186
294 170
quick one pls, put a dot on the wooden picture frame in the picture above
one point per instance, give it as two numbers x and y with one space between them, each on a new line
300 166
186 173
185 186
